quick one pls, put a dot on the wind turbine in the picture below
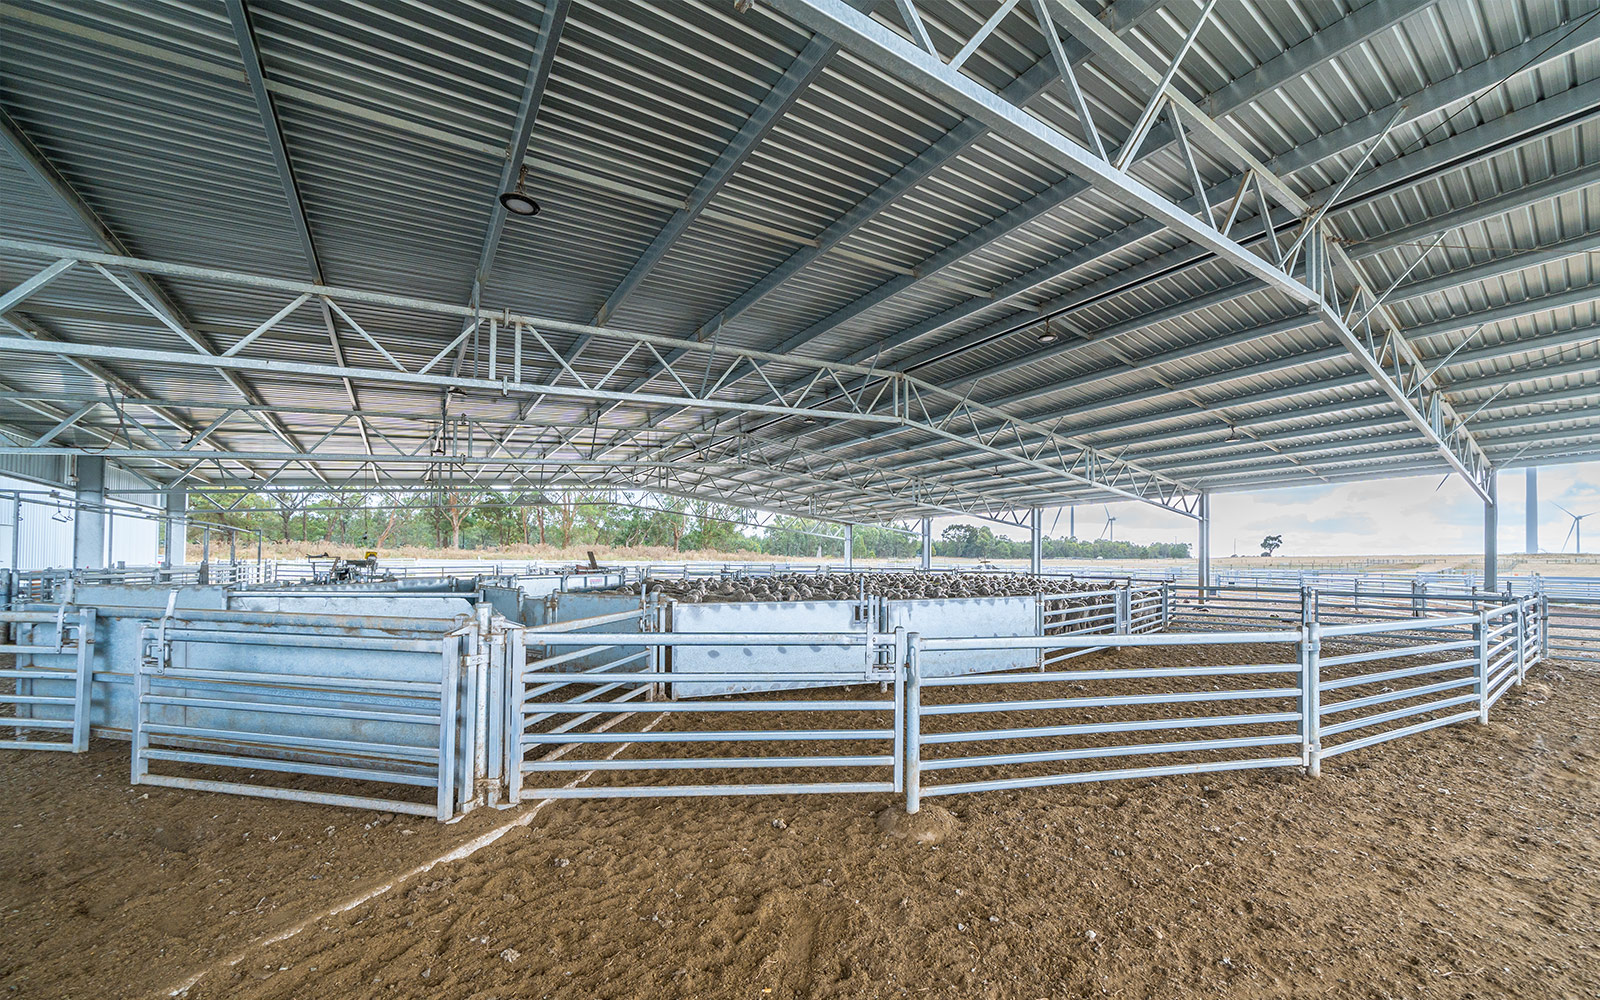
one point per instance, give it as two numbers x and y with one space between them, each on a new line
1111 526
1576 529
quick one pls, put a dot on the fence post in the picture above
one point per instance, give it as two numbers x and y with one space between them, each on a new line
1166 605
1038 625
898 658
1480 632
1310 653
511 727
1522 640
83 697
1544 625
1121 610
450 728
913 713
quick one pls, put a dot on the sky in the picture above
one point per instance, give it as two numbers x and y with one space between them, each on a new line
1383 517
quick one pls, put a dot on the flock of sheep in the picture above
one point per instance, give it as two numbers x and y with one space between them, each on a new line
851 586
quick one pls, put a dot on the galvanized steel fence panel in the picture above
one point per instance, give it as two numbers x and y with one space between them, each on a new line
715 740
43 705
204 701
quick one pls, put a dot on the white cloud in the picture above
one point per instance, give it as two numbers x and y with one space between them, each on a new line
1386 516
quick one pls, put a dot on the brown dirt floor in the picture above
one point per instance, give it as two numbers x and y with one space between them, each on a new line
1464 862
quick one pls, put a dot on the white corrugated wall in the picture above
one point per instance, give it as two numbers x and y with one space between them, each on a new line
44 538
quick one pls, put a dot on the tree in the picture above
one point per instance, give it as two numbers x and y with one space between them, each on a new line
1271 544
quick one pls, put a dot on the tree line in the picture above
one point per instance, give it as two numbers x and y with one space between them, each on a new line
463 518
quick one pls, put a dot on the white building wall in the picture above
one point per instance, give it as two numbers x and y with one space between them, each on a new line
43 540
135 541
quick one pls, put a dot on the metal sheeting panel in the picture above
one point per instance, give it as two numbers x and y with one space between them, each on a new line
400 607
767 617
969 616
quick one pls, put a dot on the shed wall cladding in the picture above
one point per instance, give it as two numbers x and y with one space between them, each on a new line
135 541
43 539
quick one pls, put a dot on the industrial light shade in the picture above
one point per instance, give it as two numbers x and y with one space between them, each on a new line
1048 336
517 202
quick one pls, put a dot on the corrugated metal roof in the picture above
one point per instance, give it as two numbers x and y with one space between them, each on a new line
861 226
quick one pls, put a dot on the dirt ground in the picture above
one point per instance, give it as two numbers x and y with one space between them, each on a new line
1461 863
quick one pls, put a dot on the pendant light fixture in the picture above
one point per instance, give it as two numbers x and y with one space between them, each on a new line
517 201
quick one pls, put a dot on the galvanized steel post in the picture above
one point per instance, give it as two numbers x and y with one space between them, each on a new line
449 724
913 712
1531 515
482 642
1522 639
89 514
177 521
82 697
1491 536
1310 652
1203 564
898 660
1480 633
1036 540
1544 625
927 544
849 548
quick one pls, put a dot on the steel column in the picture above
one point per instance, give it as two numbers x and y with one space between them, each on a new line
1203 570
89 515
1036 539
849 547
177 529
1491 536
1531 515
927 543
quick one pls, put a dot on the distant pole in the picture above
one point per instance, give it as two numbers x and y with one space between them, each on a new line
1072 522
1532 513
1491 537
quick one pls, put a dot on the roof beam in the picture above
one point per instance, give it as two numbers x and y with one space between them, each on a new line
878 397
1482 211
927 72
1024 89
48 177
1441 97
244 36
1354 29
1565 111
551 24
807 66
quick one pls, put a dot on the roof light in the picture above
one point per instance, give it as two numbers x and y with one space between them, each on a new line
517 202
1048 336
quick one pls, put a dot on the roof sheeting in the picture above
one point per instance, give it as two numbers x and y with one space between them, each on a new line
870 222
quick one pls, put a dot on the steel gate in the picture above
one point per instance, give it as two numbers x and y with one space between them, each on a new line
602 709
48 705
